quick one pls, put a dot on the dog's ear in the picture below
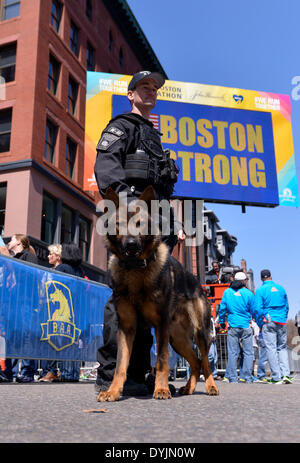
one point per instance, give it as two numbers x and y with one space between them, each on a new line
111 195
148 194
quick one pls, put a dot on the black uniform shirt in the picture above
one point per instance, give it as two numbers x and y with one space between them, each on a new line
120 137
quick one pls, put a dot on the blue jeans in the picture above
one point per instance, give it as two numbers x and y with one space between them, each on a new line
28 368
69 371
49 366
263 358
234 337
275 340
213 358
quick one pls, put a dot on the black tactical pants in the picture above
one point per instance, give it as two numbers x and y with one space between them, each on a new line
140 362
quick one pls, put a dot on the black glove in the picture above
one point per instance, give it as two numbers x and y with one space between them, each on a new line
223 326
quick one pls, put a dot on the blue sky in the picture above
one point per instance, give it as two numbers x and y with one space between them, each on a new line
252 45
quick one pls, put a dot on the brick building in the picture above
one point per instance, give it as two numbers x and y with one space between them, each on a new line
46 47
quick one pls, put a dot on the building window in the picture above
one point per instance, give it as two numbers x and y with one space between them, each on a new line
5 129
89 9
9 9
49 218
90 58
121 57
67 225
3 188
71 149
53 74
8 62
110 41
72 96
84 237
56 12
50 141
74 38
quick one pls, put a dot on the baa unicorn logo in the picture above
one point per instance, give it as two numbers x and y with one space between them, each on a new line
60 330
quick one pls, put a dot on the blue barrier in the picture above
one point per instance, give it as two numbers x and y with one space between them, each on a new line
45 314
49 315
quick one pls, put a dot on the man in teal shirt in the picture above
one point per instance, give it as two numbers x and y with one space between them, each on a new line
272 310
238 304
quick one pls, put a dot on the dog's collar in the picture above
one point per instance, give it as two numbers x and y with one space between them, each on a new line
136 263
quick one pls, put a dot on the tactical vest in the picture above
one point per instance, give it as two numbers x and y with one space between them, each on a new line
150 163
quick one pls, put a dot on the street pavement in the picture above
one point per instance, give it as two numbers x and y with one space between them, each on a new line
242 413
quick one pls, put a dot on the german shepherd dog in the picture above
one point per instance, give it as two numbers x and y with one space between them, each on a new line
148 281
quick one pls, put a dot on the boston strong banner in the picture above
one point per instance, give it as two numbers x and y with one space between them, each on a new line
230 145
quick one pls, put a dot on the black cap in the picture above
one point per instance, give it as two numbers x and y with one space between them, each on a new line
159 79
265 274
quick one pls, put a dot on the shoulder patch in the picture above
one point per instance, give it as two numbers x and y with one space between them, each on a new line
106 141
115 131
237 293
274 290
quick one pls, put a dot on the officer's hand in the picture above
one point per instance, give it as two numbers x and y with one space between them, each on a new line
181 235
4 251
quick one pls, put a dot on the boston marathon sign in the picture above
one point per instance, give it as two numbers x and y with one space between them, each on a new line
231 145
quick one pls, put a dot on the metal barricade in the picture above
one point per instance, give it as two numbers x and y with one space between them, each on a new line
294 359
221 341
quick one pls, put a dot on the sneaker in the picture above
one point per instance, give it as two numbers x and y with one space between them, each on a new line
254 378
3 378
49 378
262 380
92 375
226 380
271 381
24 379
287 380
242 380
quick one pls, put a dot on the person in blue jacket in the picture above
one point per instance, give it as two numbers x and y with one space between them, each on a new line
238 304
272 310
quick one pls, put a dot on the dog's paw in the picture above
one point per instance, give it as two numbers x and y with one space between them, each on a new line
108 396
162 393
212 390
185 390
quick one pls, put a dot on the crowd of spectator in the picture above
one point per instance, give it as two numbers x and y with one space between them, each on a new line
256 327
65 258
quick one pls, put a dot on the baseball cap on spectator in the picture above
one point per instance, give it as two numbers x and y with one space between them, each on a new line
159 79
240 276
265 274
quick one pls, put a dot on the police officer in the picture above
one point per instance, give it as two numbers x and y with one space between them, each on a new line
129 158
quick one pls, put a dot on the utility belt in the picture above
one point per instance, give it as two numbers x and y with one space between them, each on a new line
159 170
